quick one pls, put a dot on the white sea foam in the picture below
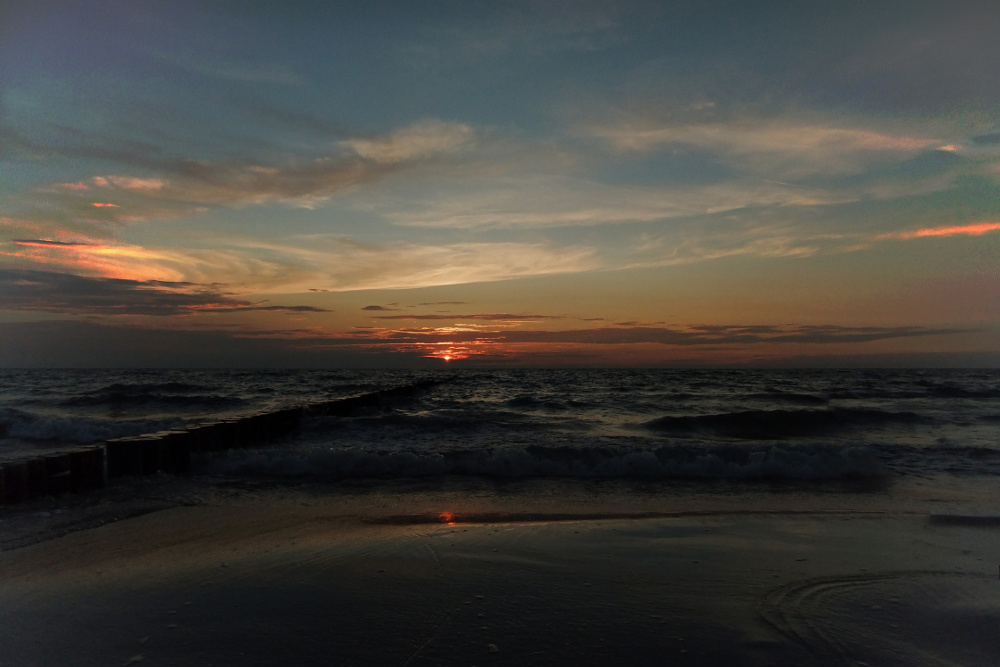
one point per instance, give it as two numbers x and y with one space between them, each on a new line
21 425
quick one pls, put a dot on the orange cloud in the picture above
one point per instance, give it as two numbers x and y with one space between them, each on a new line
103 259
104 205
976 229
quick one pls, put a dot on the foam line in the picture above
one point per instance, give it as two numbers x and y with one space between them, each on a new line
87 468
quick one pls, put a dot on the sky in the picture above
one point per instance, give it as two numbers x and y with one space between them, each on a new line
458 184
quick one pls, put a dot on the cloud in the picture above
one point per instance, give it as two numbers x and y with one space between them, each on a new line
45 243
686 336
716 239
62 344
337 264
540 200
499 343
178 187
130 183
73 344
789 147
427 139
95 258
236 183
976 229
378 308
303 263
496 317
44 291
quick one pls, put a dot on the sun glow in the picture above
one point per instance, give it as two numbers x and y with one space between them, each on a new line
447 351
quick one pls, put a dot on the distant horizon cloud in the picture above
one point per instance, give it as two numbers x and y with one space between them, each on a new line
81 344
506 317
693 335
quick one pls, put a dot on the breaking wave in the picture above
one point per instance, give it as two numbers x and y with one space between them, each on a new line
780 424
21 425
126 398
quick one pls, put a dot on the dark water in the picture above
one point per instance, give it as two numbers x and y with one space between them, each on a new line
608 424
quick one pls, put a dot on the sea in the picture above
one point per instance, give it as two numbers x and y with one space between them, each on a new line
652 425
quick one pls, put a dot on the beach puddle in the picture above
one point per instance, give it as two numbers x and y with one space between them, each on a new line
901 618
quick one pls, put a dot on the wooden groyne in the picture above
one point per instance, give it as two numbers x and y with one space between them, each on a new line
90 467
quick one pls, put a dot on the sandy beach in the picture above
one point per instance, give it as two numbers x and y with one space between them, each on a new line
380 579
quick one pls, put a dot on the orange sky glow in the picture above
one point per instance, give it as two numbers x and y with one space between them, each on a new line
626 183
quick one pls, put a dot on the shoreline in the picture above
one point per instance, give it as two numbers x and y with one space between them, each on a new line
479 500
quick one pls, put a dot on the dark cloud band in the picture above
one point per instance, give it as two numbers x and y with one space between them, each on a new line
46 291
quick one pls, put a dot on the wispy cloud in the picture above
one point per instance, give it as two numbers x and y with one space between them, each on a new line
96 258
44 291
493 317
499 343
336 264
45 243
788 147
303 263
684 336
186 186
975 229
427 139
565 201
58 344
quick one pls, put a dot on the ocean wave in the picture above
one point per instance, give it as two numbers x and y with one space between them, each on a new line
526 402
763 463
791 397
532 403
21 425
439 421
147 387
921 391
141 399
779 424
952 390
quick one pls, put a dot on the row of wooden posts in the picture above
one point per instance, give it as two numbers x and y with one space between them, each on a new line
91 467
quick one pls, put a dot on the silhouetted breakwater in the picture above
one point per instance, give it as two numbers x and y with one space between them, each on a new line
90 467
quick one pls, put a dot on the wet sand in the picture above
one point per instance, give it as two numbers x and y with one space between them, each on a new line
307 581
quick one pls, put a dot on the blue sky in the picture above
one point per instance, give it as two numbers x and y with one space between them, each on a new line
500 183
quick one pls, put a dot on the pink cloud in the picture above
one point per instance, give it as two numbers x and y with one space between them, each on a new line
976 229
